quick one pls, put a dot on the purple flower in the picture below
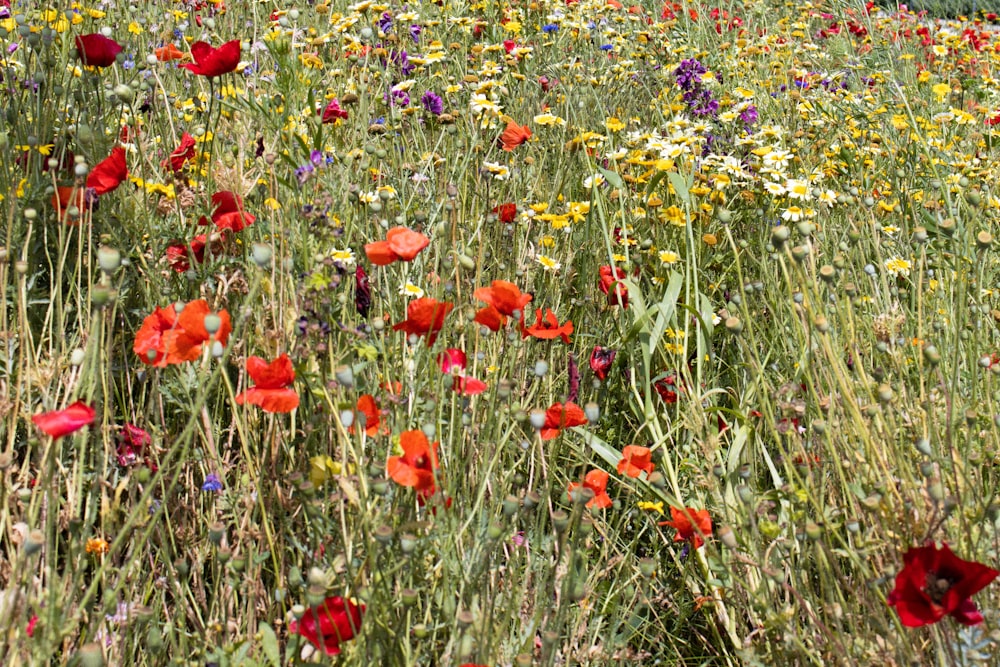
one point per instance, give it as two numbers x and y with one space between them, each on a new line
432 103
749 115
385 23
415 31
688 74
212 483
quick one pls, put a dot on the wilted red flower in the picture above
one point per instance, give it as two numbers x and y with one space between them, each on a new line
692 525
109 173
514 135
132 443
611 285
453 361
214 62
332 112
362 291
547 329
417 464
97 50
596 481
506 213
229 212
560 416
70 419
168 338
373 417
635 460
502 299
934 583
272 382
425 317
181 154
326 626
400 243
667 388
169 52
601 359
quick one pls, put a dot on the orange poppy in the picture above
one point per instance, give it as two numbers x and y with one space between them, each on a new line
635 459
596 481
547 329
425 317
560 416
272 381
183 342
692 525
502 299
169 52
373 418
514 136
65 197
400 243
149 342
416 466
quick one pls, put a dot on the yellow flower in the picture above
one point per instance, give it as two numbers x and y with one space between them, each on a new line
942 90
135 28
669 257
648 506
614 125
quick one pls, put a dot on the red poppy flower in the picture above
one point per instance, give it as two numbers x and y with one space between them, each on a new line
373 416
596 481
109 172
425 317
184 341
417 464
272 382
326 626
692 525
66 196
514 136
229 212
611 277
68 420
667 388
400 244
502 299
181 154
97 50
178 254
453 361
601 359
214 62
132 443
560 416
934 583
169 52
547 329
635 460
332 112
506 213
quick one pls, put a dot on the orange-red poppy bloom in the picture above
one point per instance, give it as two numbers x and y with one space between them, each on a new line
514 136
425 317
272 382
181 154
560 416
547 328
169 52
635 460
503 299
66 196
70 419
401 244
167 337
692 525
612 285
335 621
373 416
596 481
417 465
229 212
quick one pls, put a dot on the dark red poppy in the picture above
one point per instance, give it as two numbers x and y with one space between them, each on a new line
667 388
332 112
601 359
133 446
514 135
97 50
935 583
506 213
362 292
401 244
547 328
326 626
184 152
178 254
611 285
425 317
635 460
596 481
416 467
691 525
70 419
109 173
560 416
272 385
214 62
229 212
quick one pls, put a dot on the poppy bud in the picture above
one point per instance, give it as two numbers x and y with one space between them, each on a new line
212 323
262 254
510 506
420 631
109 259
537 419
34 542
531 500
90 655
383 535
408 542
409 597
592 412
216 531
984 239
560 520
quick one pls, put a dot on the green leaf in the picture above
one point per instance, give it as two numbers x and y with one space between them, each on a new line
612 177
680 186
269 642
665 310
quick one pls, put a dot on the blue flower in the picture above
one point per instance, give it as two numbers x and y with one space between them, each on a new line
550 27
212 483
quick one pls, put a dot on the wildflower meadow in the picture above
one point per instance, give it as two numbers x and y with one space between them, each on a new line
474 333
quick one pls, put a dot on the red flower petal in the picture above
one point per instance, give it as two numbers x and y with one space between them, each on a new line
97 50
214 62
109 172
68 420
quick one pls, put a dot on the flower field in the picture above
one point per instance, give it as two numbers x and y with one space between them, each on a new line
498 333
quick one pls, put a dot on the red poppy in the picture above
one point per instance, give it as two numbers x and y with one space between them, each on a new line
425 317
502 299
272 382
32 622
667 388
326 626
547 329
97 50
692 525
601 359
109 172
169 52
453 361
184 341
178 254
635 460
417 464
514 136
611 277
596 481
373 417
214 62
229 212
149 338
181 154
132 443
68 420
332 112
934 583
66 196
400 244
560 416
506 213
